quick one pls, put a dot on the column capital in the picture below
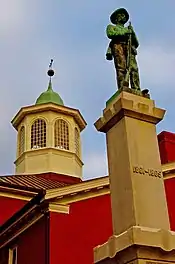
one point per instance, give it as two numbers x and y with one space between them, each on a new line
130 105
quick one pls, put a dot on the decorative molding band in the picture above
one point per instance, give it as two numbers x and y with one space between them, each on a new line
83 196
168 170
15 196
80 187
59 208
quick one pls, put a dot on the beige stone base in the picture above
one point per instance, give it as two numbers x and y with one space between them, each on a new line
141 255
138 245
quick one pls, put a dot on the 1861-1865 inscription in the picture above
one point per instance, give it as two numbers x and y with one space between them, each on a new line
149 172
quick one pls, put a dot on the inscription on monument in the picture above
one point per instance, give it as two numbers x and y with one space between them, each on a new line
149 172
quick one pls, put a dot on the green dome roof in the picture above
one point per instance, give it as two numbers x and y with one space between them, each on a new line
49 96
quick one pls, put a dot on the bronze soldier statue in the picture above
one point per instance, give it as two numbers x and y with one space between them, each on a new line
123 49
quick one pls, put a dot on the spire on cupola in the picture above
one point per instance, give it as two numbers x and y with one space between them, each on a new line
50 73
50 96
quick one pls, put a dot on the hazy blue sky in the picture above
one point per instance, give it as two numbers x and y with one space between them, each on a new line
73 34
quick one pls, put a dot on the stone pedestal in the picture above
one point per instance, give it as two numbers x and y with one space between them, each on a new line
138 245
139 209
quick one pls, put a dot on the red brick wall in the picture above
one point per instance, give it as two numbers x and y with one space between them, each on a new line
9 206
73 236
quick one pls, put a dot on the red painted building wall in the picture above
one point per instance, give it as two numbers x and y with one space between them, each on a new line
31 244
170 195
4 256
73 236
166 142
166 146
9 206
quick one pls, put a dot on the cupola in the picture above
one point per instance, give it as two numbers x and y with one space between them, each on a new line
48 136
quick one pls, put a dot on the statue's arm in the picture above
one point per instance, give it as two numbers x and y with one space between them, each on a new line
113 31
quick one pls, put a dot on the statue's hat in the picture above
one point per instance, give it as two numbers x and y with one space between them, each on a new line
119 11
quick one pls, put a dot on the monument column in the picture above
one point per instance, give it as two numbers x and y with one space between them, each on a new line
141 231
137 188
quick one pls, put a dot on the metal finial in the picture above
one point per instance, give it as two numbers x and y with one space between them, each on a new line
51 62
50 72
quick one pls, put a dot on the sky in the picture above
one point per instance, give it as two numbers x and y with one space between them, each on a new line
73 34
